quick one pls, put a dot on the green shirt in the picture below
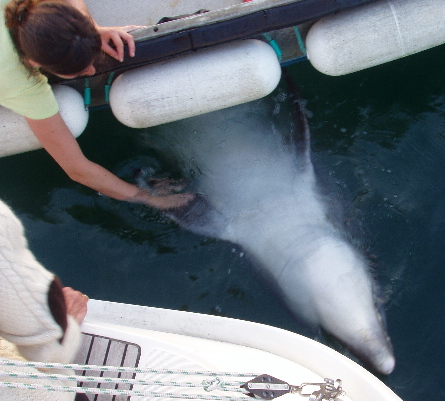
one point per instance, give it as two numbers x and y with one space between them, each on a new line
25 94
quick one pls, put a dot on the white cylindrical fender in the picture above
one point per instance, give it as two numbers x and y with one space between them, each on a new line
17 137
194 84
374 34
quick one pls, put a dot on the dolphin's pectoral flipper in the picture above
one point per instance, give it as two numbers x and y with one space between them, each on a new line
199 217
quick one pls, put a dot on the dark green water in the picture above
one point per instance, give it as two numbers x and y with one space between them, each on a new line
378 134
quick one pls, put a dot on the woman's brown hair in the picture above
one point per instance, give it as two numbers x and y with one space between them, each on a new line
55 35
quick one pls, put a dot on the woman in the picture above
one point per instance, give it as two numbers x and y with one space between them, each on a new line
61 38
37 315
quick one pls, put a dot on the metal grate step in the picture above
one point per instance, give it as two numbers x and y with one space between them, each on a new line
98 350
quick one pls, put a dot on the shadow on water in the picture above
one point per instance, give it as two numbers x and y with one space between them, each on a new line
378 134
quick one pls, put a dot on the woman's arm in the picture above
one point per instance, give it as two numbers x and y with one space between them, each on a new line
58 141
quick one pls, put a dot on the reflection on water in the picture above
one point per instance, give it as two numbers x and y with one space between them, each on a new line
380 136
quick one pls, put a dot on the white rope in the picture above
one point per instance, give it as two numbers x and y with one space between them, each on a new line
224 386
44 365
127 393
208 385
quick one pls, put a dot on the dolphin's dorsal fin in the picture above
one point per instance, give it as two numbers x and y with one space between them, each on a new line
302 135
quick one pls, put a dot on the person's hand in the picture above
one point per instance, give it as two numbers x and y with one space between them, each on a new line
162 200
161 193
168 202
76 303
117 36
164 186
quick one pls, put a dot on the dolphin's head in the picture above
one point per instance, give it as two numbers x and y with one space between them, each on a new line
343 297
328 282
376 350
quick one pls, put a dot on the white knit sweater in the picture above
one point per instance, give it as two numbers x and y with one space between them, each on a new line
25 317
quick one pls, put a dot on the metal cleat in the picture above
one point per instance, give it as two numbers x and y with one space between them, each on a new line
267 387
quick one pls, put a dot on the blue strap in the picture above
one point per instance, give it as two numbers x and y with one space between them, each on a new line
274 45
300 40
87 93
108 86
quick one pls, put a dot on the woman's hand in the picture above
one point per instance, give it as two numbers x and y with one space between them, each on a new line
76 303
117 36
161 193
162 202
168 202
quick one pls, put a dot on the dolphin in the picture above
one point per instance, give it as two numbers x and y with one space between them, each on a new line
250 166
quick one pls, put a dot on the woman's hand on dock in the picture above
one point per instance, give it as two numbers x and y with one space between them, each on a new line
114 38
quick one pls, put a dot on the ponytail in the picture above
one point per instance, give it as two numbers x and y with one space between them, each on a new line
55 35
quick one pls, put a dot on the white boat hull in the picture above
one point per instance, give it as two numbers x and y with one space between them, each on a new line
178 339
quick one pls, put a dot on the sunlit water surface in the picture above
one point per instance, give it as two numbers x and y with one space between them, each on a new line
378 135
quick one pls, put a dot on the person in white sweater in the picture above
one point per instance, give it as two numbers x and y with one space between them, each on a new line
39 319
